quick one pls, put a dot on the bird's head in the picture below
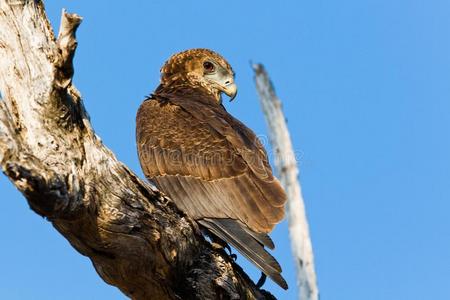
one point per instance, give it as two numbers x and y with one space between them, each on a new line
200 67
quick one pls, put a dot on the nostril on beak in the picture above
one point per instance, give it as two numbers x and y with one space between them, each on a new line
229 81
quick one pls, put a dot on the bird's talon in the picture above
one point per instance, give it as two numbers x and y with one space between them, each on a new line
261 280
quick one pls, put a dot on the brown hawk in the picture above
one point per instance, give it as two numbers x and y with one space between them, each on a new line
209 163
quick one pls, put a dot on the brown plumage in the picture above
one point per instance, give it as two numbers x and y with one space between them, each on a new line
209 163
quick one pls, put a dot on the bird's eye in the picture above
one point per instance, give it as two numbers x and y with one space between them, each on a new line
208 66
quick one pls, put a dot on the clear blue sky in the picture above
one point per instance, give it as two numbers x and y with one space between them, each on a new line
365 86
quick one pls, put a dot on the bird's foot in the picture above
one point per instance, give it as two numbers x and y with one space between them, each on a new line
230 253
221 245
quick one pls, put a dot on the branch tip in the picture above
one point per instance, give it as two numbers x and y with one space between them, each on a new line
67 45
69 22
69 25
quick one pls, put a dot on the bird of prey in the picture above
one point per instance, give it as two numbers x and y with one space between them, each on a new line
209 163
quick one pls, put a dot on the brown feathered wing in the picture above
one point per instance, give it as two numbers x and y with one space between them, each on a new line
214 168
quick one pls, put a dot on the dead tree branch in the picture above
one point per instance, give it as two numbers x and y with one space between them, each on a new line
286 166
135 237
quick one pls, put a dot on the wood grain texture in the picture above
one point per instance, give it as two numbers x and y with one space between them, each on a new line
136 238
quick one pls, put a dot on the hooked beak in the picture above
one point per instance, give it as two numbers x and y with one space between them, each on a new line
230 89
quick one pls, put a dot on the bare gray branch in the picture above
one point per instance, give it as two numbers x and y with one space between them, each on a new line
287 170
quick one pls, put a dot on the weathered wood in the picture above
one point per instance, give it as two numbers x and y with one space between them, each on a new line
136 238
286 166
